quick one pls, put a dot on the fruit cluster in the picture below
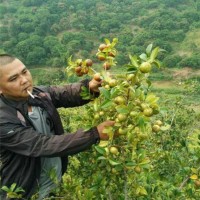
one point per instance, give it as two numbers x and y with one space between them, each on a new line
106 53
82 67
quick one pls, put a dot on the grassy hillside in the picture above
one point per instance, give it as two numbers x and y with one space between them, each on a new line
46 32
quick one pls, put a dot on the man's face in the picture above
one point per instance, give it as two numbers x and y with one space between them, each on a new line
15 80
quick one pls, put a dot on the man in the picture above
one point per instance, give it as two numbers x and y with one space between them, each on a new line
32 138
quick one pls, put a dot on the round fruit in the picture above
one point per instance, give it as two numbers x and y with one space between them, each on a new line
112 54
78 69
112 83
121 117
114 150
122 131
130 77
137 169
88 62
101 113
106 66
96 116
85 70
133 113
102 47
148 112
97 77
197 183
120 100
101 57
145 67
158 122
107 87
156 128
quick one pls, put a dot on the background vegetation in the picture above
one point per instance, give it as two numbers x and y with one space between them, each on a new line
44 32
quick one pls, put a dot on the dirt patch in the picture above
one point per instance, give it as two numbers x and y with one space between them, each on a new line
184 73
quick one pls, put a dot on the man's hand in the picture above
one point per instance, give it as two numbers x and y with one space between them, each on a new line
100 128
94 85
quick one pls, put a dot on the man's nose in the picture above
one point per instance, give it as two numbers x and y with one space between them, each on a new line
23 79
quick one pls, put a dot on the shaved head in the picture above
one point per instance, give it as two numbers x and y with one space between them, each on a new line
6 59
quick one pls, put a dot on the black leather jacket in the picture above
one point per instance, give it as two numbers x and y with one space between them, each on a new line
21 146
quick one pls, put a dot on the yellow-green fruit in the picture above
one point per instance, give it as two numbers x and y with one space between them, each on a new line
130 77
121 117
114 150
156 128
107 87
148 112
158 122
120 100
145 67
137 169
101 113
112 82
197 183
122 131
144 106
96 116
133 113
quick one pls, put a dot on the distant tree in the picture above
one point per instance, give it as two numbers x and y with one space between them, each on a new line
36 56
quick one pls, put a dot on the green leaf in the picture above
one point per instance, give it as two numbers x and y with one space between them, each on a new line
13 186
134 60
5 188
149 49
101 150
101 158
105 93
122 109
154 54
107 104
130 164
143 56
114 163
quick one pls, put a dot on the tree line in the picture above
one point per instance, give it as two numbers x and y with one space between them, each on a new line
45 33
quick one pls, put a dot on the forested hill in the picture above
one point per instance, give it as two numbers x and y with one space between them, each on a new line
45 32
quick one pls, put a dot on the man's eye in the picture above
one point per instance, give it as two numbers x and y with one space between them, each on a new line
13 79
24 72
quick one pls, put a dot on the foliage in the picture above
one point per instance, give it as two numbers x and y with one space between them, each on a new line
136 24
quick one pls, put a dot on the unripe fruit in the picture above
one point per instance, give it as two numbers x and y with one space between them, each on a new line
121 117
101 113
197 183
156 128
133 113
114 150
145 67
130 77
148 112
120 100
107 87
122 131
158 122
88 62
96 116
137 169
112 82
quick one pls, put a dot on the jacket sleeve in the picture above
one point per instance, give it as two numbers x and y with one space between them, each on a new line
26 141
68 95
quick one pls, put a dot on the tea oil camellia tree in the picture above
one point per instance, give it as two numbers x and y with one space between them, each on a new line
120 164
